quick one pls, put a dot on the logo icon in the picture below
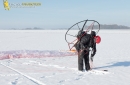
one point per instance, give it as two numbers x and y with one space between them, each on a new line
6 5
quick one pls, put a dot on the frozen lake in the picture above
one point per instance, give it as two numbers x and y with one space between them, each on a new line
113 54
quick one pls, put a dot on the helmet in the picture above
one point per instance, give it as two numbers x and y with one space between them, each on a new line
93 33
81 34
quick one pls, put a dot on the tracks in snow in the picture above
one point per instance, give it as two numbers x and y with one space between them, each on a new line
26 76
68 69
53 71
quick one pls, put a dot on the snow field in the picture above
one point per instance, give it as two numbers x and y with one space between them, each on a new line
112 55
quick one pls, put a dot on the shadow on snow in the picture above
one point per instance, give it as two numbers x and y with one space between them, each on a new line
125 64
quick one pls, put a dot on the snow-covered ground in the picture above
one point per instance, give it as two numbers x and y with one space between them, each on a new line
113 54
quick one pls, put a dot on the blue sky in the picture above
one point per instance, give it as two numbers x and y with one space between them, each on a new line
65 13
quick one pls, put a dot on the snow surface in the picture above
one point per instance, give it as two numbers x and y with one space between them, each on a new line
113 54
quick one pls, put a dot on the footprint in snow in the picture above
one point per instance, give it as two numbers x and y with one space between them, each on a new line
15 82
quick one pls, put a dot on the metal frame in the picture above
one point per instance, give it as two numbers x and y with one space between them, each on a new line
85 21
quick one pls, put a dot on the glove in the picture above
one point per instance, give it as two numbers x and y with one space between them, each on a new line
92 55
94 52
91 58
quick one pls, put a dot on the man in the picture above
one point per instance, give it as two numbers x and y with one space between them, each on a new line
83 45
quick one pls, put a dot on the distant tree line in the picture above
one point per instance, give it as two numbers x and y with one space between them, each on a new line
114 26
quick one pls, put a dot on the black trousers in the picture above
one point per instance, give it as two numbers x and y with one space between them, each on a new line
83 58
